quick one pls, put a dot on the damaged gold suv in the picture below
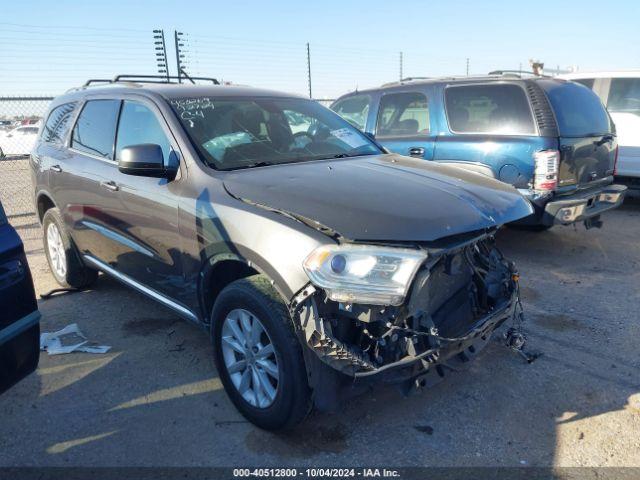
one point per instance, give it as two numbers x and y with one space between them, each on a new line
310 253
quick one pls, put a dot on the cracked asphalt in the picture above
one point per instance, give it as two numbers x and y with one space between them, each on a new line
155 399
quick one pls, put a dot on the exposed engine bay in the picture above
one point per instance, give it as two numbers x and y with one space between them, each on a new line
457 298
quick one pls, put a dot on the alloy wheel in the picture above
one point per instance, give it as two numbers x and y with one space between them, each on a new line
250 358
57 253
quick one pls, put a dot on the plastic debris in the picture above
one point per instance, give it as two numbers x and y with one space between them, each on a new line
68 340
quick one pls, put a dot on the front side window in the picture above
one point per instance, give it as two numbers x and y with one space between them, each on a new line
403 114
138 125
354 109
58 123
95 130
234 133
499 109
624 95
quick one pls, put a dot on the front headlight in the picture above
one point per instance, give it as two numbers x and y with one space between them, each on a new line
364 273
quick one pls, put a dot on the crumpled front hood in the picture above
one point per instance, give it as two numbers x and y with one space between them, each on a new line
382 198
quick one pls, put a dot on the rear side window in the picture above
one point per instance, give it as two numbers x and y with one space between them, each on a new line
578 110
500 109
58 123
354 110
139 125
624 95
95 129
403 114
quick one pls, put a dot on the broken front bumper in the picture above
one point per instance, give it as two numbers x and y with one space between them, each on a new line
445 318
350 362
583 206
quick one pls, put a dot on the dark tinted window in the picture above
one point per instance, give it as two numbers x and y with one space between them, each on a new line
58 123
578 110
95 129
624 95
251 132
139 125
498 109
353 109
587 82
403 114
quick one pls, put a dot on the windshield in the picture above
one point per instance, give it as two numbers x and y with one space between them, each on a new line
233 133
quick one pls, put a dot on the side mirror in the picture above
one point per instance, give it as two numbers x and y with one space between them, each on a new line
145 160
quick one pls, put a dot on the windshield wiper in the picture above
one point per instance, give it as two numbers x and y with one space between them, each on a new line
351 155
253 165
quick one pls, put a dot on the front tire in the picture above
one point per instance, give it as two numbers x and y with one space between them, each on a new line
258 356
62 255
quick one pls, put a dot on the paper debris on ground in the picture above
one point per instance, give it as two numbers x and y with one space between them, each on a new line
68 340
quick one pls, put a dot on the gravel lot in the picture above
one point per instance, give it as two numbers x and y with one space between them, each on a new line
156 400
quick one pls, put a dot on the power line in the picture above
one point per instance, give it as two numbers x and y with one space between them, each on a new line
75 27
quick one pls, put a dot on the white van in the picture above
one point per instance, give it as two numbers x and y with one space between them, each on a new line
620 92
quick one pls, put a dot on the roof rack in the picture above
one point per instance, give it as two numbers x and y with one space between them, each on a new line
417 79
151 79
411 79
517 73
403 80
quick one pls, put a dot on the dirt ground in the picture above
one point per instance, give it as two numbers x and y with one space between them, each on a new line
155 399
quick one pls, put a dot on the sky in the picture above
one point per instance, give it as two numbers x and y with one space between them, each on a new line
47 47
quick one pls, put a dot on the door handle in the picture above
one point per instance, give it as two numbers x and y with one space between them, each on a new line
416 152
111 185
55 168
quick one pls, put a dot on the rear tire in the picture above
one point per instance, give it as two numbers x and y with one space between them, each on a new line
270 390
62 255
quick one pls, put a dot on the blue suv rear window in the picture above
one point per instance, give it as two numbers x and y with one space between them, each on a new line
579 112
500 109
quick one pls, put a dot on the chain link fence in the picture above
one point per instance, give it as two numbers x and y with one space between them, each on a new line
20 120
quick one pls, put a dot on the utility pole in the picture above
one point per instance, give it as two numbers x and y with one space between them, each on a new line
177 38
401 73
467 66
309 68
161 52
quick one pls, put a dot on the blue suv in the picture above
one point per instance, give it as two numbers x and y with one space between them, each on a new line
551 139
